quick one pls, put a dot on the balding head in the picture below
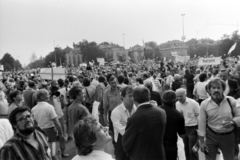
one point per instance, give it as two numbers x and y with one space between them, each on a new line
181 95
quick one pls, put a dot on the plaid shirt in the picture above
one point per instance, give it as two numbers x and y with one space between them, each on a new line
17 148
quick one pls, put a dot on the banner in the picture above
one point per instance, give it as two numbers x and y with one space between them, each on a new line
53 73
83 65
182 58
209 61
101 61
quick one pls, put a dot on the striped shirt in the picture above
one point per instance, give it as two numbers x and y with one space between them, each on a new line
17 148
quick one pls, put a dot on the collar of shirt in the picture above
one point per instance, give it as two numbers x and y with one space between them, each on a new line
143 104
129 113
43 102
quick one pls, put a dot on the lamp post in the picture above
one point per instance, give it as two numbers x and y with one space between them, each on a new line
183 37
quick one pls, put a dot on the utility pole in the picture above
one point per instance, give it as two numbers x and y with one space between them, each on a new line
183 37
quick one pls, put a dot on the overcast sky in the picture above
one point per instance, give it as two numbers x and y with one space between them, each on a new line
28 26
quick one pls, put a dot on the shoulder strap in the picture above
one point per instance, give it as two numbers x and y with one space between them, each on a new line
87 93
230 106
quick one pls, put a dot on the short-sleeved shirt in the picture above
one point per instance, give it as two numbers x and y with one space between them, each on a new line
190 110
44 113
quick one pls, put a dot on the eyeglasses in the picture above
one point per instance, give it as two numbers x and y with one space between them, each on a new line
24 119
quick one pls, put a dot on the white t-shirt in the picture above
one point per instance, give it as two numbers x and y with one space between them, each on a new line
6 131
43 113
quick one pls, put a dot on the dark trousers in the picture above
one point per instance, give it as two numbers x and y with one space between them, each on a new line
171 151
120 154
189 140
226 143
190 88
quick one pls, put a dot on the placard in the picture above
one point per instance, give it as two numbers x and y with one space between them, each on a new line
53 73
209 61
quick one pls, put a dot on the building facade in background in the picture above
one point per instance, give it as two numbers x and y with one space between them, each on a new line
175 46
114 52
73 57
136 53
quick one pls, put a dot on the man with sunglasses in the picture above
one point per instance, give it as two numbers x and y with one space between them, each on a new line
28 142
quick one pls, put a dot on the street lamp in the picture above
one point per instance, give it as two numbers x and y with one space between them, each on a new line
183 37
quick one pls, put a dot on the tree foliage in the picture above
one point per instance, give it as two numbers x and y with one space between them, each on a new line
89 50
152 50
9 63
58 56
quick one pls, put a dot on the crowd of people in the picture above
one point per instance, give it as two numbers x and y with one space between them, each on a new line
143 109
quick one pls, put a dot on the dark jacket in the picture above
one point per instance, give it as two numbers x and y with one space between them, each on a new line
176 85
234 87
28 97
143 138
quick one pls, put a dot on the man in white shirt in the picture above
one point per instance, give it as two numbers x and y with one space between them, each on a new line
190 110
46 118
119 118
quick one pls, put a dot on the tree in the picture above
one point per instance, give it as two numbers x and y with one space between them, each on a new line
8 62
57 55
152 50
89 50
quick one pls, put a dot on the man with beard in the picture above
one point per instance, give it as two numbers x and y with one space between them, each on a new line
28 142
218 116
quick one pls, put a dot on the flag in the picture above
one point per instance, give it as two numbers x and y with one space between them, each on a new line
143 43
232 48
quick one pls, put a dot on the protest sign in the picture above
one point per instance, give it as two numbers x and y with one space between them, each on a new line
209 61
182 58
52 73
101 61
83 65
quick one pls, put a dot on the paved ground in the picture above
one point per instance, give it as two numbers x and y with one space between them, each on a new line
70 149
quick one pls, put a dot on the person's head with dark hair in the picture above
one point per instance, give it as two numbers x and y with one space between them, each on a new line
187 71
141 94
120 79
31 84
154 76
77 93
89 135
101 79
139 81
22 120
70 79
126 81
61 83
145 76
86 82
203 77
169 98
113 82
149 85
16 97
224 75
215 88
66 82
109 76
